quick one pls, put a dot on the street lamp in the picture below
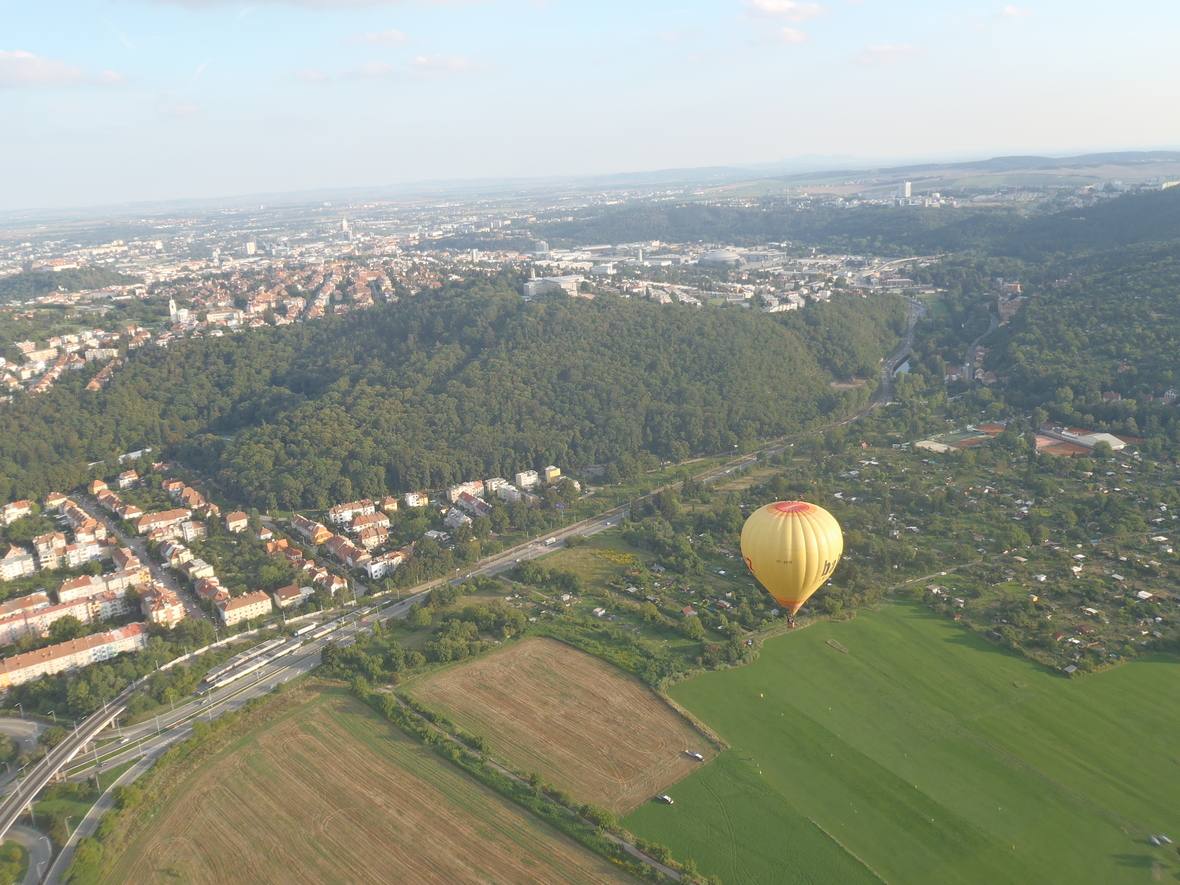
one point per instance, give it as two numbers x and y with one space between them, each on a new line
54 715
21 709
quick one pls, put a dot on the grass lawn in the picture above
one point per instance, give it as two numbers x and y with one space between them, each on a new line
901 745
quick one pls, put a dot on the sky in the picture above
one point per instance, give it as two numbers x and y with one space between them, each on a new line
116 101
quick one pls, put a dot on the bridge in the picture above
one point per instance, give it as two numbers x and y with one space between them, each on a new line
46 769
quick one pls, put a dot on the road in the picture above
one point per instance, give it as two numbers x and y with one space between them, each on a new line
139 546
971 361
21 793
40 850
900 354
89 823
144 742
25 732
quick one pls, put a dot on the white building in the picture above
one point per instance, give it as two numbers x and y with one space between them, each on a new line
343 514
83 652
380 566
16 563
527 479
244 608
543 285
474 487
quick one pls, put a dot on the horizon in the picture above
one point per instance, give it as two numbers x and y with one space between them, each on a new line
791 166
149 101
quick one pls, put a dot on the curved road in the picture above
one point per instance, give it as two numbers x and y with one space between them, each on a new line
39 848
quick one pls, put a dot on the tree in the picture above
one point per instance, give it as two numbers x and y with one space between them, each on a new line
65 629
693 628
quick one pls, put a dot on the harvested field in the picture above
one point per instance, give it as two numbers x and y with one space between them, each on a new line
331 793
580 723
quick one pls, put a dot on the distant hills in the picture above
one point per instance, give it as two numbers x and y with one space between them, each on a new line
1146 217
973 176
835 174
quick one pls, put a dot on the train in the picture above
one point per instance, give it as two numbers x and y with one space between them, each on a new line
243 658
254 659
221 677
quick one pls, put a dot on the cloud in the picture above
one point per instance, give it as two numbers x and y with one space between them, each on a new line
20 69
791 10
169 106
372 70
312 75
792 36
391 37
332 5
886 53
441 64
1013 11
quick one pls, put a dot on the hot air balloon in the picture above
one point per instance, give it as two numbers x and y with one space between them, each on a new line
792 548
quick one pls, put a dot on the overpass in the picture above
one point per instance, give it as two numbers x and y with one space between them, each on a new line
46 768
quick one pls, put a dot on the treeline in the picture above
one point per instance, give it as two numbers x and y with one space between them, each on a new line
34 283
1151 217
468 381
875 229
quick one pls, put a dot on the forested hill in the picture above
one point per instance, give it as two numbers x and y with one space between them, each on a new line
881 230
1134 219
466 381
33 283
1112 325
1149 217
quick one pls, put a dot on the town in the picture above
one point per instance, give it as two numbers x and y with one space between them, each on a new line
83 307
97 538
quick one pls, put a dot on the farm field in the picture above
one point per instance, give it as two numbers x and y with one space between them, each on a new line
580 723
903 747
329 792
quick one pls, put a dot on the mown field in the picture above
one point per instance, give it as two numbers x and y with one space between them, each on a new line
580 723
331 793
899 746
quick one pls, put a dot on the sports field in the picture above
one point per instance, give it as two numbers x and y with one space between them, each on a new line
580 723
901 747
331 793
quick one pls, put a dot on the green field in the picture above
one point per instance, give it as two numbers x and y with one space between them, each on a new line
901 745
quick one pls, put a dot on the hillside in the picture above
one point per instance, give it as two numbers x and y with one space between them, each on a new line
465 381
34 283
1148 217
1111 325
876 229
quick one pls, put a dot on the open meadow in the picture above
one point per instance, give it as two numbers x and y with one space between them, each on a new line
902 747
329 792
582 724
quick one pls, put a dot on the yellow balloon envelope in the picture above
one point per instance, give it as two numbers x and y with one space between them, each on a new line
792 548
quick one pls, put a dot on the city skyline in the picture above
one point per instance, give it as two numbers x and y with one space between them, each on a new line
117 102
